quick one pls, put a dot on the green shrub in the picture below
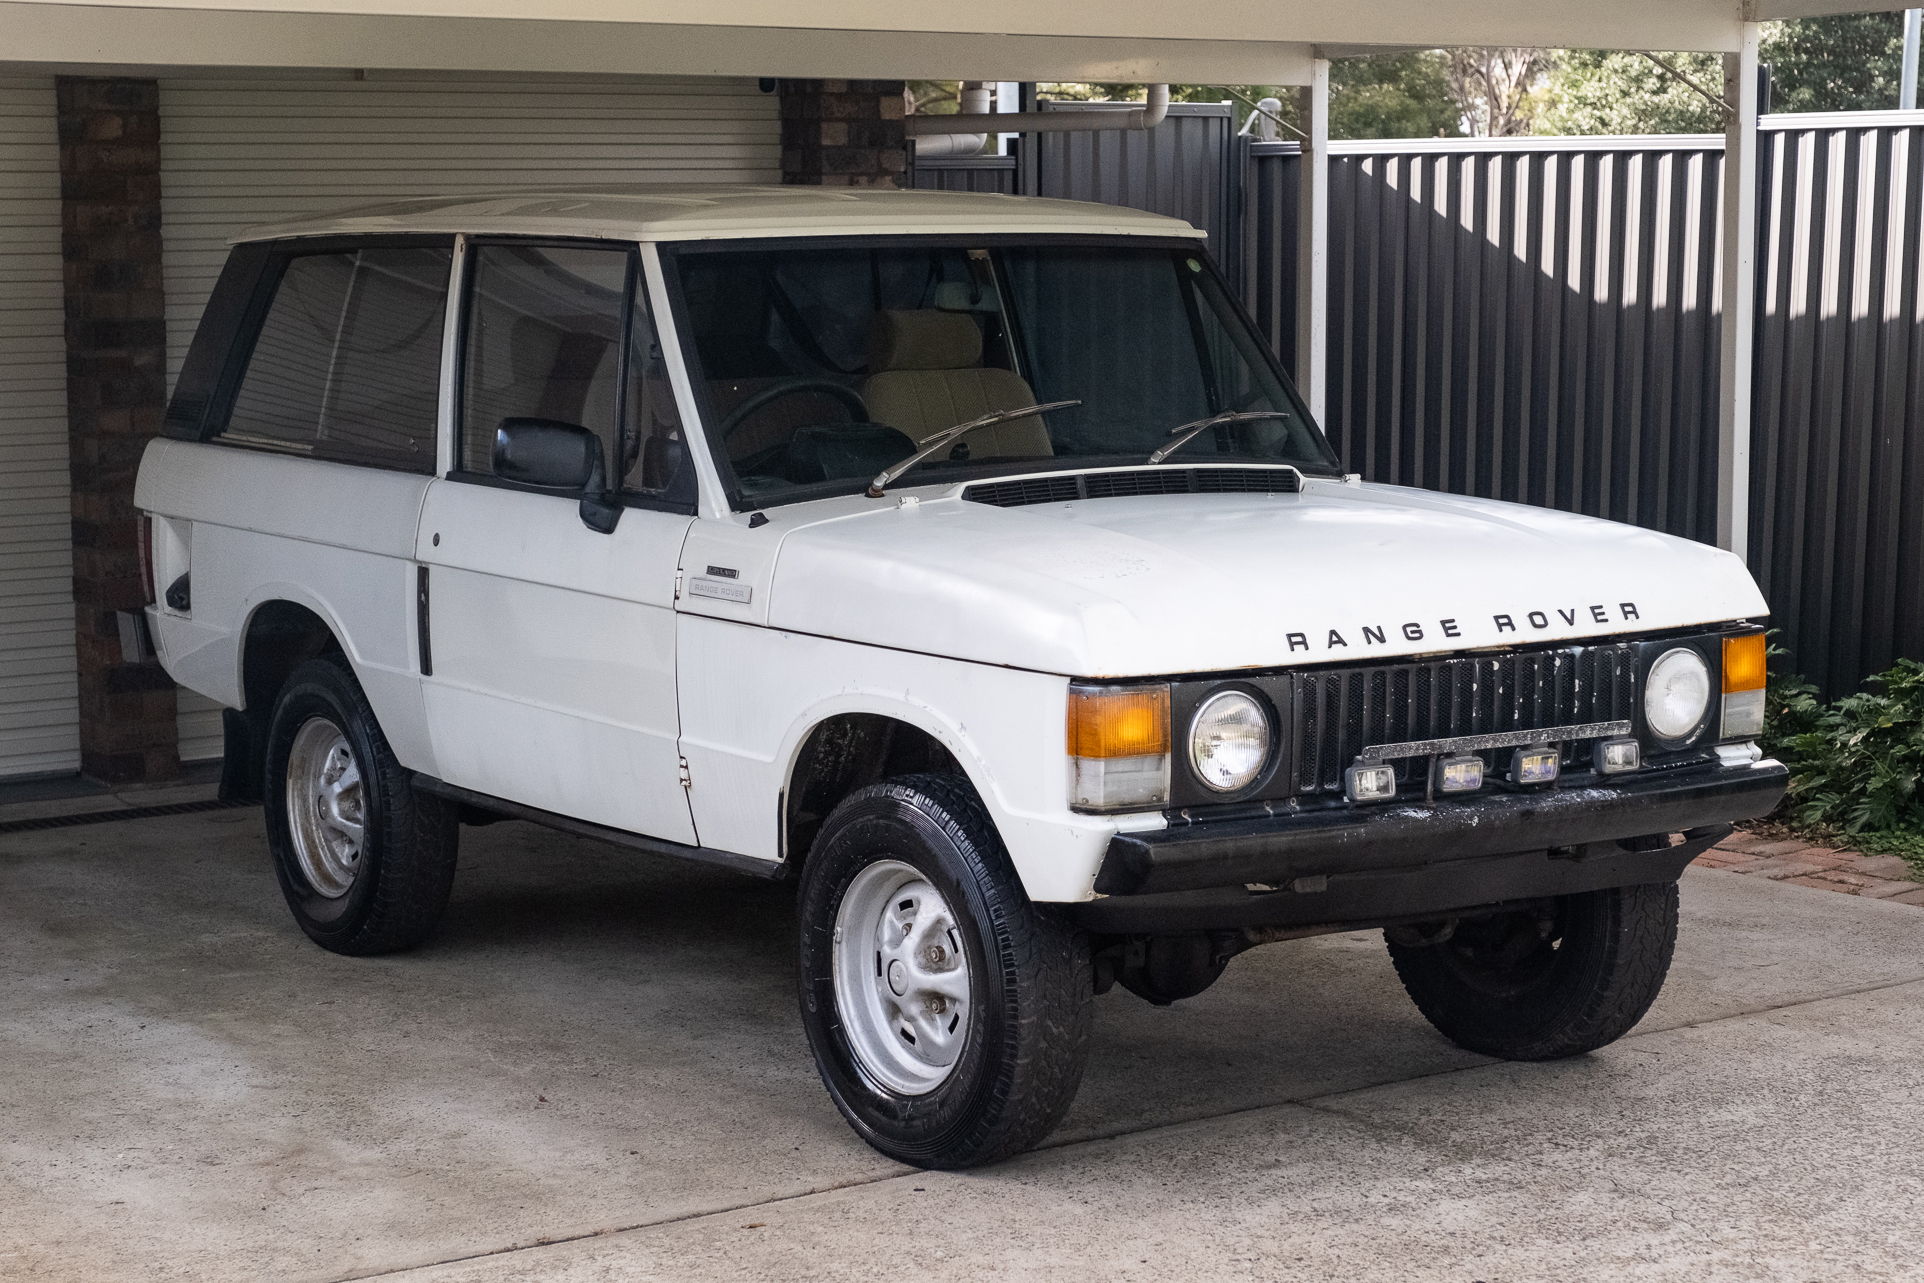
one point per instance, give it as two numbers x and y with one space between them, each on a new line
1790 705
1855 763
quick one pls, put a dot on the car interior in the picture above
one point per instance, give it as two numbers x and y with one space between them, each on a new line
822 365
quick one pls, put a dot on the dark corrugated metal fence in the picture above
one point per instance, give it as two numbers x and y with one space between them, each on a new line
1521 321
1268 267
1837 482
1189 167
1538 320
966 174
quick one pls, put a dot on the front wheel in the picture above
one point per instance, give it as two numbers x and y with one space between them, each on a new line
949 1016
1543 983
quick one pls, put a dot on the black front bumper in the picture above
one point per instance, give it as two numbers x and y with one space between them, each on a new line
1372 864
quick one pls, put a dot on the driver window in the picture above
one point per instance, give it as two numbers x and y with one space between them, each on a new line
543 342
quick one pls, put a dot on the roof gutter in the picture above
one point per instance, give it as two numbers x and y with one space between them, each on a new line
1147 116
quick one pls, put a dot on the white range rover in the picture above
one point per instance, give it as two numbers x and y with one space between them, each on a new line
968 560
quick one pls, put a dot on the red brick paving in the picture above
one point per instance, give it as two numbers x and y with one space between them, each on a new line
1877 877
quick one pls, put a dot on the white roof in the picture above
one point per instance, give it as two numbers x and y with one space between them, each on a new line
675 212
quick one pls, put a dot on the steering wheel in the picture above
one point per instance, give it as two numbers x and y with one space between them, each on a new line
794 387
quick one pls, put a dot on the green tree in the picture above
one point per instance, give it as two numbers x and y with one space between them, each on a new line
1596 91
1405 95
1847 63
1498 91
931 97
1241 98
1852 62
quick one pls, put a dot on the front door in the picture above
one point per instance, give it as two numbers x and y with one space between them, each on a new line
551 646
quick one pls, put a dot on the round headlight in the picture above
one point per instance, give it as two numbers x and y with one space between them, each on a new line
1677 693
1229 741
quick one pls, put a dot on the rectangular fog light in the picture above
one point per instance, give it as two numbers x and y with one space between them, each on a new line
1614 757
1533 765
1459 774
1370 783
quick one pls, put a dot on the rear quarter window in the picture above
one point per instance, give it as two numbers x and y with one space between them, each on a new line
346 363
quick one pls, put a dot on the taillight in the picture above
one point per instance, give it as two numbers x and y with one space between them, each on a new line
145 534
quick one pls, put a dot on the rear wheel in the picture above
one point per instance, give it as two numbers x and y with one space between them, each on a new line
366 862
948 1015
1540 984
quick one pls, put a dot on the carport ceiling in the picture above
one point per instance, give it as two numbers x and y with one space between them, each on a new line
1209 41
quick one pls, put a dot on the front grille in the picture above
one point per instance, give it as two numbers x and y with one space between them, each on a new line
1133 481
1342 711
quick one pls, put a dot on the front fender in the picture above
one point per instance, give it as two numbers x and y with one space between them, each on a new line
750 698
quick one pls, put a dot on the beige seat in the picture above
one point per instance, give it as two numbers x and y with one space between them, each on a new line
926 374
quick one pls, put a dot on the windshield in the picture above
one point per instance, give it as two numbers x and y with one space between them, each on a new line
820 367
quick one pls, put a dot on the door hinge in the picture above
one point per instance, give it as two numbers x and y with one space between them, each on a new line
677 585
685 781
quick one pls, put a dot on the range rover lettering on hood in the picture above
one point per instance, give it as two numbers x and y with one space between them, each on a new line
1195 583
1456 629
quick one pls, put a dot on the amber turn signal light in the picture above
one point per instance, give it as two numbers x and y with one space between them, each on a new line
1118 721
1744 663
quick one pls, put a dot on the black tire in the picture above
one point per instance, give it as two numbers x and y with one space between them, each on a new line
398 885
1544 985
1031 986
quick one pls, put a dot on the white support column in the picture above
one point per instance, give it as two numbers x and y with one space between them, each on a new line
1312 243
1739 295
1907 83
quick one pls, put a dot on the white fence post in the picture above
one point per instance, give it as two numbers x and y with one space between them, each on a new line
1739 288
1907 90
1312 244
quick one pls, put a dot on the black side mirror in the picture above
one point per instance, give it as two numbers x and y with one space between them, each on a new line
557 456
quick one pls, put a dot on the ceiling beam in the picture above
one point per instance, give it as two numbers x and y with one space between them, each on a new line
1709 25
79 38
1219 41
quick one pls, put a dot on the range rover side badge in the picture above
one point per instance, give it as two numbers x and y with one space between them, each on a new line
720 589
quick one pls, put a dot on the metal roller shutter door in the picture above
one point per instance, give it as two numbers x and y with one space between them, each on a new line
239 151
39 700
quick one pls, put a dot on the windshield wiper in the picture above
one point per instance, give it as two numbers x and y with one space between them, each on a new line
931 444
1187 431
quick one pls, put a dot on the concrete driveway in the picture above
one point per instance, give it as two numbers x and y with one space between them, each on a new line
596 1072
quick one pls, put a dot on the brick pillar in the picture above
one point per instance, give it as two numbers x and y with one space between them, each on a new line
843 133
116 396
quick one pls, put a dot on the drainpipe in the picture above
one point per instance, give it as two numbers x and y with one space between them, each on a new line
1147 116
974 105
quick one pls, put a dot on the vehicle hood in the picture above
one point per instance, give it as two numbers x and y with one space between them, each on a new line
1190 583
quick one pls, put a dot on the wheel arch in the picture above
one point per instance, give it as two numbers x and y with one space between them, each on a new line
838 750
277 635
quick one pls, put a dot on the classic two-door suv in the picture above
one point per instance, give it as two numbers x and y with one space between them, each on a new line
968 560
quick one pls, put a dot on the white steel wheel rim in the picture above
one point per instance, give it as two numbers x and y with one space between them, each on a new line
326 807
901 979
